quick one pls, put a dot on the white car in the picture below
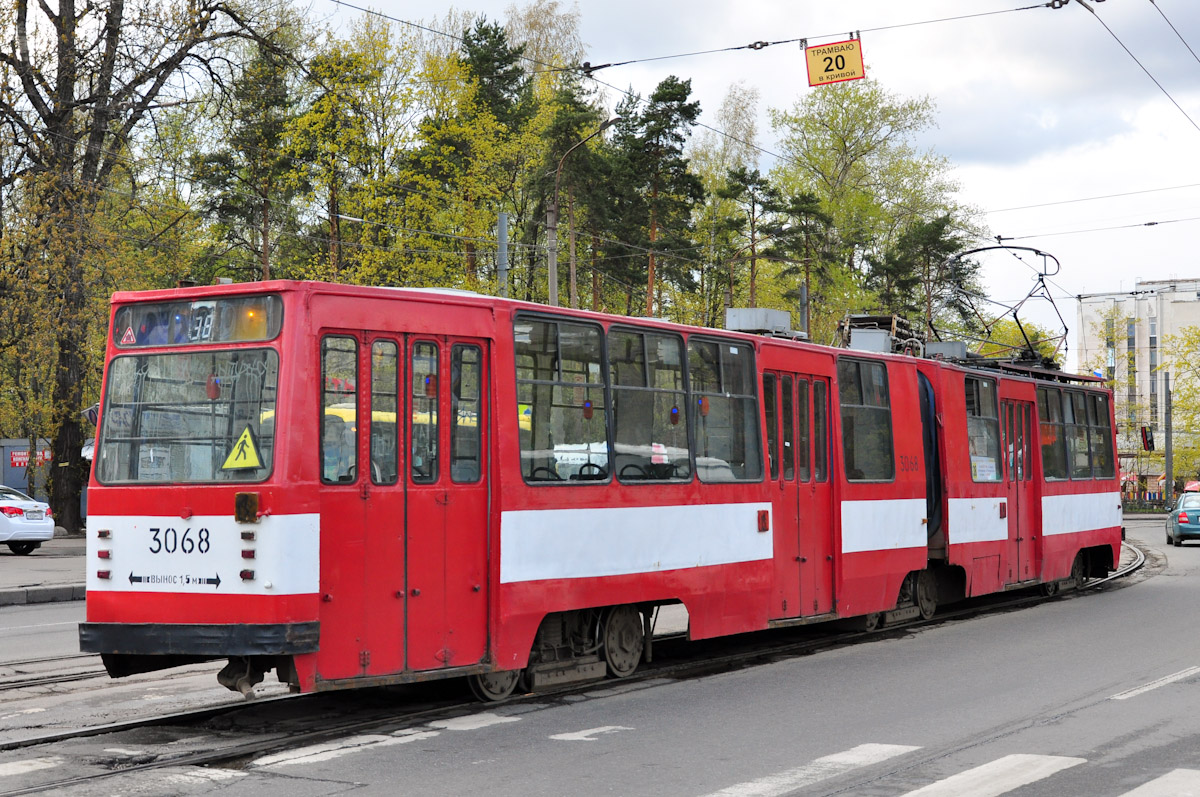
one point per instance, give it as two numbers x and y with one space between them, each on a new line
24 523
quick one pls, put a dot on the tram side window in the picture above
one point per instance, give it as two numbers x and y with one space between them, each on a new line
1054 446
803 437
725 402
820 431
788 412
1103 462
866 421
1075 421
385 392
650 429
466 420
560 397
769 395
424 462
983 430
339 401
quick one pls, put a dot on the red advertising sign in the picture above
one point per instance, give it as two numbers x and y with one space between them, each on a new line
20 459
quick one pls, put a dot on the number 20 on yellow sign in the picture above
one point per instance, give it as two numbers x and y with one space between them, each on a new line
833 63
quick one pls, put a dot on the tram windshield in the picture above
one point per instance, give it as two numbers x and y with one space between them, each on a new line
189 417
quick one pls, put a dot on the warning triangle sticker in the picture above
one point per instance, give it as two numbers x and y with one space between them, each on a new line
244 454
128 339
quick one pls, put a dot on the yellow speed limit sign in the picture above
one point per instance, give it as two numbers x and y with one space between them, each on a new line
833 63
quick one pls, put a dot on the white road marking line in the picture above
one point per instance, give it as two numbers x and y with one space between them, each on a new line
123 751
472 722
586 736
820 769
999 776
1176 783
22 711
39 625
194 776
32 765
1166 679
330 750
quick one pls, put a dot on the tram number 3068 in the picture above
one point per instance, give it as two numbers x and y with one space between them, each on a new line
170 540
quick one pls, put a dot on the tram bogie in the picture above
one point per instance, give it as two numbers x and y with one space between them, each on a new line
361 486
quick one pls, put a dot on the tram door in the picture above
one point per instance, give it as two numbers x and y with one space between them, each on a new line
797 419
446 519
1016 425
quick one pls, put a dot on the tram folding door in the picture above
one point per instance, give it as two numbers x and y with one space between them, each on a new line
446 522
796 407
403 504
1017 440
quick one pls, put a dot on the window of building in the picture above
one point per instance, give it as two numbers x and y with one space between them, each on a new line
339 402
866 421
649 407
725 403
983 430
1054 445
560 397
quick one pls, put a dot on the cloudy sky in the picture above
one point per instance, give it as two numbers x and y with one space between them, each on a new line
1035 107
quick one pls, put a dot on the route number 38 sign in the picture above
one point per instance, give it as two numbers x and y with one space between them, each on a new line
833 63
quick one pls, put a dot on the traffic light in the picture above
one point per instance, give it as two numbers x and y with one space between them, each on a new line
1147 438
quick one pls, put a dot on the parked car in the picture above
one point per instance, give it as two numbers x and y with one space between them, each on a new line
1184 521
24 523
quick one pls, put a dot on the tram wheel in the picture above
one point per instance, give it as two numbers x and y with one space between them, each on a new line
872 621
927 597
1050 589
1078 572
490 687
624 640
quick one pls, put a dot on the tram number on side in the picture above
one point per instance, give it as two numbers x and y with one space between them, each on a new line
171 540
909 464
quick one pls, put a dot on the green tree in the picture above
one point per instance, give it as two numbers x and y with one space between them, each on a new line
248 193
87 82
650 146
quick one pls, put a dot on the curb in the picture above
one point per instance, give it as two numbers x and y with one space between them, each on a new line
22 597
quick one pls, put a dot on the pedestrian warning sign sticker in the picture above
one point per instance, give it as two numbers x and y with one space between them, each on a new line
244 454
128 339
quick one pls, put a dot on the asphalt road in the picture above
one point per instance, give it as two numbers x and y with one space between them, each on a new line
1095 694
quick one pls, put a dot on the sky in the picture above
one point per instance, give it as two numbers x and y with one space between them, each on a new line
1040 109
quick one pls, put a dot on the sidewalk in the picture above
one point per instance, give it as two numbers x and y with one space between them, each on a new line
54 572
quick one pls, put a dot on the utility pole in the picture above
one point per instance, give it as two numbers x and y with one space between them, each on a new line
502 255
552 213
1169 482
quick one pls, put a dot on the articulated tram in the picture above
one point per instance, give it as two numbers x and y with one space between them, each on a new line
356 486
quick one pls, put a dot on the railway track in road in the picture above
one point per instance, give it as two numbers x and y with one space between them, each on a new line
24 680
291 722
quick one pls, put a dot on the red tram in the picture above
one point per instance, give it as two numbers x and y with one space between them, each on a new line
356 486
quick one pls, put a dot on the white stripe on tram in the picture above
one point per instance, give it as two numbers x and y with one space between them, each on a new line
884 525
998 777
1177 783
1067 514
537 544
820 769
1166 679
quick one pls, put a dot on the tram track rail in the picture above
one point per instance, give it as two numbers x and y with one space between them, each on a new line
698 661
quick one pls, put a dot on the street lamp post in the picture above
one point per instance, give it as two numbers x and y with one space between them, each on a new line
552 212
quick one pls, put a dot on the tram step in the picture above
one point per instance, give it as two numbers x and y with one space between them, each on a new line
558 672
